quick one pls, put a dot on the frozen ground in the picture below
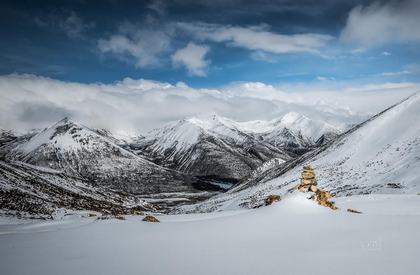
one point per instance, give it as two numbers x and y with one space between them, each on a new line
294 236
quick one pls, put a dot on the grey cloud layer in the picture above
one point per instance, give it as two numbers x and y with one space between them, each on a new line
382 23
135 106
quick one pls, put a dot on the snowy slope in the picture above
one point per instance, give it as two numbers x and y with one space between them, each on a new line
381 155
294 236
31 191
208 146
79 151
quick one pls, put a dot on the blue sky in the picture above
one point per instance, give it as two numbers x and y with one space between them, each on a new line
212 44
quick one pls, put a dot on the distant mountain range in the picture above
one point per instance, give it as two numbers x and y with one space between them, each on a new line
188 161
380 155
217 147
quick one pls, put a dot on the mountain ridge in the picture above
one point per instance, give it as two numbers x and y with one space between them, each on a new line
357 162
80 151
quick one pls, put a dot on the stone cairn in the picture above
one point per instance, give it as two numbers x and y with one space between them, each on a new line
307 180
308 184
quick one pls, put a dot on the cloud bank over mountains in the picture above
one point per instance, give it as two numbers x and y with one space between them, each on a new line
135 106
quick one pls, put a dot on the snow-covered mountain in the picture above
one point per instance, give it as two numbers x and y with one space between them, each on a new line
218 147
207 146
293 132
6 137
78 151
381 155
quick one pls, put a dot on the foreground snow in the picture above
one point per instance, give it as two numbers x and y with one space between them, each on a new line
294 236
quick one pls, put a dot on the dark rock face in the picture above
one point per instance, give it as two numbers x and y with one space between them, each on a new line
6 137
326 138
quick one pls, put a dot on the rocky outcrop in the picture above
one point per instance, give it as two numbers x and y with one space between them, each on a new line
308 183
271 198
322 197
150 219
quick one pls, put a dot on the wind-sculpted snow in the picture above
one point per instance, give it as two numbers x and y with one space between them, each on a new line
381 155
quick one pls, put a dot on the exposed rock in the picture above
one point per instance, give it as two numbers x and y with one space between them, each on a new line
150 219
307 180
354 211
137 213
322 197
271 198
308 183
119 217
394 185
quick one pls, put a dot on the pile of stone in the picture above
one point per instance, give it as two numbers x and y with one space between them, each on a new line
307 180
308 183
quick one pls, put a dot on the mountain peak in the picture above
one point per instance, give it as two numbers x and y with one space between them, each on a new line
292 117
211 120
65 121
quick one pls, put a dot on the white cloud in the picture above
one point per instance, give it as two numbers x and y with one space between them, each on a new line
145 44
257 38
74 26
131 105
395 73
381 23
67 21
192 57
324 78
158 7
149 42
